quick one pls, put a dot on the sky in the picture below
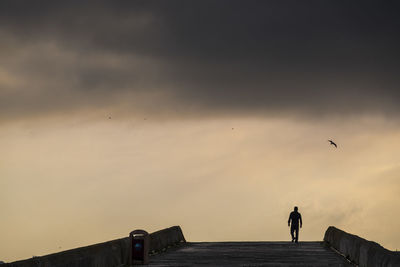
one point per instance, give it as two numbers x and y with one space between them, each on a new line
211 115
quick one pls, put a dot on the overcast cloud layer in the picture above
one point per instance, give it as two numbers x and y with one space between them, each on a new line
199 57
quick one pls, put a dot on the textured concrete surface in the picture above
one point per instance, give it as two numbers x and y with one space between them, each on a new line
164 238
107 254
249 254
360 251
111 253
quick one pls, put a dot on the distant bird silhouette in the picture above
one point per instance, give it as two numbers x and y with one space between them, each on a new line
332 143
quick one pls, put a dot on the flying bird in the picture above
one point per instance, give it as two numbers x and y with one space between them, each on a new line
332 143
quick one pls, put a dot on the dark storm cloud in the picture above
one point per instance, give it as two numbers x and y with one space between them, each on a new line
243 57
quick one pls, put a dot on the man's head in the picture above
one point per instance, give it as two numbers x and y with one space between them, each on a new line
295 208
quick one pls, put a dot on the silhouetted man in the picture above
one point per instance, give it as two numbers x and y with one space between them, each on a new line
295 217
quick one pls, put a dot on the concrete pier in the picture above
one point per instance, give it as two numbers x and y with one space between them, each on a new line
168 247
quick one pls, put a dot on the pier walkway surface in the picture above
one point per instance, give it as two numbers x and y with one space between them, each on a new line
249 254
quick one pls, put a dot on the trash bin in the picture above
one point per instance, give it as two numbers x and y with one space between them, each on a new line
140 246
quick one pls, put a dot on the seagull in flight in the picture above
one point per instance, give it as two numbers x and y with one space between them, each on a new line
333 143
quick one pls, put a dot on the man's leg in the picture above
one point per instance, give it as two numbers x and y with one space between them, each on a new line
297 234
292 232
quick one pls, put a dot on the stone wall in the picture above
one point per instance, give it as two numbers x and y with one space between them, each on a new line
165 238
360 251
107 254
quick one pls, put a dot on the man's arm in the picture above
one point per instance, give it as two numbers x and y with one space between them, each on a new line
301 221
288 222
